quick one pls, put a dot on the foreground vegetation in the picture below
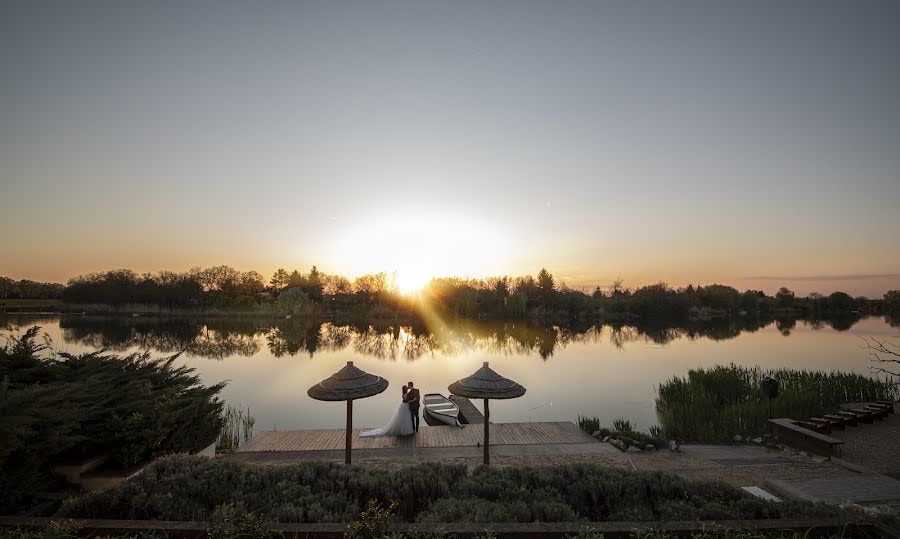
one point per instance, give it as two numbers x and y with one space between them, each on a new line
623 431
191 488
375 523
713 405
56 409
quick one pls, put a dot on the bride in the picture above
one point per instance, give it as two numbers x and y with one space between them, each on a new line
401 423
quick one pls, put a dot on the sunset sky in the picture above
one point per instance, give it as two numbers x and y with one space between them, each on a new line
755 144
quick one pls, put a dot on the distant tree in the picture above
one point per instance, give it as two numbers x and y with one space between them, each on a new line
7 287
501 287
27 289
750 300
371 284
785 298
224 279
892 301
841 301
545 280
616 289
291 300
315 284
719 296
251 283
279 280
336 285
517 304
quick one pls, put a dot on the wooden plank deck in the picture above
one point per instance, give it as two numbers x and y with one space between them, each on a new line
468 413
561 432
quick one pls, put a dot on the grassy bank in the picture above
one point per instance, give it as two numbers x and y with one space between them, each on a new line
714 405
191 488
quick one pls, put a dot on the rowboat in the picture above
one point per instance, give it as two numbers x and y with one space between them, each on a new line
441 409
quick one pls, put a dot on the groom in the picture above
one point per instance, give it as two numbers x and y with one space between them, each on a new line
411 396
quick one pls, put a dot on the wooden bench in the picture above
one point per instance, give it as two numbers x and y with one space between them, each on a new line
889 404
862 417
823 424
811 426
832 423
880 409
850 418
795 435
843 421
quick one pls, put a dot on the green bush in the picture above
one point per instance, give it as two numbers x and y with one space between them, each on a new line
181 487
713 405
69 407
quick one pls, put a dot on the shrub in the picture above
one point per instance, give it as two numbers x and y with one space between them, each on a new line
712 405
181 487
129 407
623 433
372 523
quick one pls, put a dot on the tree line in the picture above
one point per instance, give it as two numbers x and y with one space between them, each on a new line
26 289
540 296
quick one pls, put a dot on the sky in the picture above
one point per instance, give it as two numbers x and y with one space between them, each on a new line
755 144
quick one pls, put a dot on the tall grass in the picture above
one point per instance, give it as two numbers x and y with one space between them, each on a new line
589 425
237 428
713 405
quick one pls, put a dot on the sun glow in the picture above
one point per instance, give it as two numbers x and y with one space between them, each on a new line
411 281
417 248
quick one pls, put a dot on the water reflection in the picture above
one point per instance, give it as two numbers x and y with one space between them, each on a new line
220 338
581 368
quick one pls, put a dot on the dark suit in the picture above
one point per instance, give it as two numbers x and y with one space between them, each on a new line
412 397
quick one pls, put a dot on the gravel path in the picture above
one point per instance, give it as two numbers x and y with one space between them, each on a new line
794 466
688 464
875 446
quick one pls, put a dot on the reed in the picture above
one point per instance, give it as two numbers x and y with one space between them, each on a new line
237 428
589 425
714 405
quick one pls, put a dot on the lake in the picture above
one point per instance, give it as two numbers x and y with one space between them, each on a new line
598 370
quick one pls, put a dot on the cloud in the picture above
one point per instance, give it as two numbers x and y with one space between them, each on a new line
839 277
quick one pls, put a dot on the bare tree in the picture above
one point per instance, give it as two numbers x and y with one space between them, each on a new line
885 353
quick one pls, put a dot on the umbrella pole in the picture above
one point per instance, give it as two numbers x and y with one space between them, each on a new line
349 431
487 433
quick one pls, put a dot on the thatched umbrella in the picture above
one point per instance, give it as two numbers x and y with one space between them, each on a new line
348 384
486 384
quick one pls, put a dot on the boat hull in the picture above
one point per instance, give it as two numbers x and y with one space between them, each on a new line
440 410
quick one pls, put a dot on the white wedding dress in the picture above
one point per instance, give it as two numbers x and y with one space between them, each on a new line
400 424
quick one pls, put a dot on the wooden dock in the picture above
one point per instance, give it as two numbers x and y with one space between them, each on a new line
562 432
468 413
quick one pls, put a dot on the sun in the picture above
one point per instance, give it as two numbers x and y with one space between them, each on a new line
415 248
410 281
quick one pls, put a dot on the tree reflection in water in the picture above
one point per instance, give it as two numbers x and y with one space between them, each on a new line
218 338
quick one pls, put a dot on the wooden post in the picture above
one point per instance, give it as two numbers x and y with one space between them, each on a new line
349 431
487 433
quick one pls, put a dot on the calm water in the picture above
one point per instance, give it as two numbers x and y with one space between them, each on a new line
596 370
